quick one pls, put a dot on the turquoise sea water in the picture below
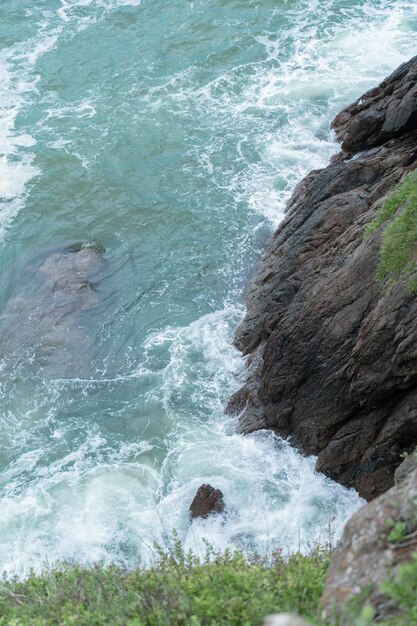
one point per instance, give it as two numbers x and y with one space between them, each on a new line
171 133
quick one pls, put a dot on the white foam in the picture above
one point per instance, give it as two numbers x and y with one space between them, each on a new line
326 70
18 82
274 497
66 11
18 85
309 72
82 109
94 501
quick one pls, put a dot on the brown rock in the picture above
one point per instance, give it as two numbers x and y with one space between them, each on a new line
207 501
381 114
334 355
366 556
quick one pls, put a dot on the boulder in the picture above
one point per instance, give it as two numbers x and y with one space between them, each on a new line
207 501
332 354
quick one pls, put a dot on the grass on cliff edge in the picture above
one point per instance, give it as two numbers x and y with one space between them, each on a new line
398 253
179 591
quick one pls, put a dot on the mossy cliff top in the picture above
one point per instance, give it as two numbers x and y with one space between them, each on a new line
398 252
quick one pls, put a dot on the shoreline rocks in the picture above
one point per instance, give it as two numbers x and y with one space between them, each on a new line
332 354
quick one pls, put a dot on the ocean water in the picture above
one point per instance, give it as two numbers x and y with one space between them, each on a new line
170 133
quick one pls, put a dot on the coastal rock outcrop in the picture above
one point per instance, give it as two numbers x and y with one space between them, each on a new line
381 114
377 539
207 501
332 354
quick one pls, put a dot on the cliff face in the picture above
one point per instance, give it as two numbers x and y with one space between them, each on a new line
333 355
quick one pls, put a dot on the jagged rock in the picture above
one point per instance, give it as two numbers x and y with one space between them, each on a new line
284 619
333 355
367 556
207 501
381 114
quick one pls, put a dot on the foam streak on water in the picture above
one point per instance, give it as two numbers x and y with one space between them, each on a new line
172 133
16 160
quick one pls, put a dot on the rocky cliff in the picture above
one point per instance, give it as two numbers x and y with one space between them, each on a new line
377 541
332 354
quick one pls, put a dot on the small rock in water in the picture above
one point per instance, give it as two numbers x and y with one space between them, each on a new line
284 619
207 501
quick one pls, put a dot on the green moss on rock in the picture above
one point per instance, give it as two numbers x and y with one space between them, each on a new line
398 252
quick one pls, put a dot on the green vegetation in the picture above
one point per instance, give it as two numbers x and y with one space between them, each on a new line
405 192
406 454
180 590
402 591
398 253
398 531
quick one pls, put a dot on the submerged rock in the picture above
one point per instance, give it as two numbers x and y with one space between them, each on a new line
333 355
46 320
378 538
207 501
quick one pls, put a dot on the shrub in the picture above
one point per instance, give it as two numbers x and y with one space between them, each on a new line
180 590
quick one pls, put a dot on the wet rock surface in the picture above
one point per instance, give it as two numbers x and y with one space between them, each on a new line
367 556
332 355
45 323
381 114
207 501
